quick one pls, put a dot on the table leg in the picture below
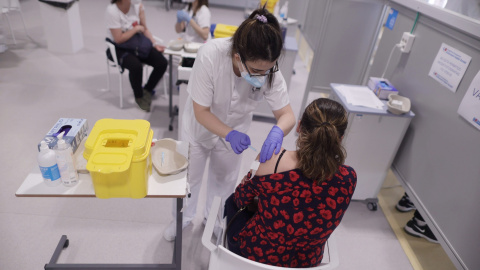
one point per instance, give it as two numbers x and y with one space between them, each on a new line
63 243
172 110
170 71
177 251
176 262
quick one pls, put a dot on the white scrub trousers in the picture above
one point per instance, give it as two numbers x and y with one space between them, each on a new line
222 177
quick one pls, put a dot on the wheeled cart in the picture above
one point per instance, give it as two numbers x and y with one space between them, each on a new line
371 140
159 186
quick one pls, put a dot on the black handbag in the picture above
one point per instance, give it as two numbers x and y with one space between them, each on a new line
251 209
138 44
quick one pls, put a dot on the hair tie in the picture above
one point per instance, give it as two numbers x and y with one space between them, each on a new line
323 124
261 18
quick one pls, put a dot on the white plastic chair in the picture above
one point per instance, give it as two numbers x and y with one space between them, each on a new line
8 6
221 258
114 64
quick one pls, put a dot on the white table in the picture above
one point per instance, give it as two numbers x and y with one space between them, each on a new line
159 186
173 110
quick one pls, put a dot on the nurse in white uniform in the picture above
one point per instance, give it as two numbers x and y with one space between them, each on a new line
194 22
229 78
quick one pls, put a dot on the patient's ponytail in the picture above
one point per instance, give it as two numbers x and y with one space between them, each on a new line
319 148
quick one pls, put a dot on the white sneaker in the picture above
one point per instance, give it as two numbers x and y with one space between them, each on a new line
171 230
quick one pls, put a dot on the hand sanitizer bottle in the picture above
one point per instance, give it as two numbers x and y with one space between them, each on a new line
48 165
284 11
65 161
284 17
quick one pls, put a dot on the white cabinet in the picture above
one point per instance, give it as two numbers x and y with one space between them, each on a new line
371 141
61 23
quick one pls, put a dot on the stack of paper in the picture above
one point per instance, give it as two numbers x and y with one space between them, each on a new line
360 96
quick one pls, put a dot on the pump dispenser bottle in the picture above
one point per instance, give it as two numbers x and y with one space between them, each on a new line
48 165
284 11
284 18
65 161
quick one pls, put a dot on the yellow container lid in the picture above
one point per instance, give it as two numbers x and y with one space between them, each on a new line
224 30
114 144
270 4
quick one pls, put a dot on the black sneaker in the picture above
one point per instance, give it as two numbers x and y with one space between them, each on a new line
147 94
405 205
150 93
414 229
144 103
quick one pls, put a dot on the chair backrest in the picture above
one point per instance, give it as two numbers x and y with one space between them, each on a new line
113 52
222 258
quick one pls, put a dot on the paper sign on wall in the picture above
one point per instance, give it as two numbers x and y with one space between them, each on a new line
470 106
449 67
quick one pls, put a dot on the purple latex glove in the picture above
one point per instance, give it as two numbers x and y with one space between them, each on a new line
182 15
238 140
179 16
273 142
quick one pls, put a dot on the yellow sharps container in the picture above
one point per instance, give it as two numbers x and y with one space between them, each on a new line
224 30
119 160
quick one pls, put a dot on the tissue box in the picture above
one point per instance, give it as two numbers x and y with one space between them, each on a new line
381 87
75 131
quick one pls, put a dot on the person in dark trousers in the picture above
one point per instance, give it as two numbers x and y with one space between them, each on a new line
123 20
416 226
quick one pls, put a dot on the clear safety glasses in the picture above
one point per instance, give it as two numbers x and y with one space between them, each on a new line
270 71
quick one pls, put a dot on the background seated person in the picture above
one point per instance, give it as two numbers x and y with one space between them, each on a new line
194 22
302 194
123 20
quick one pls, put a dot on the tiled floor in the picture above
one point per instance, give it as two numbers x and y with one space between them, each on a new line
37 87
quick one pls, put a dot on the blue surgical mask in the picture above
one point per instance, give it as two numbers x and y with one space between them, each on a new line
256 81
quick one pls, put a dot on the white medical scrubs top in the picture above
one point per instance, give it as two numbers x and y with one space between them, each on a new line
202 18
115 18
213 84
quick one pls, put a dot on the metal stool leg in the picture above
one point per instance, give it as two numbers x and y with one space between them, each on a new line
108 76
121 89
11 30
23 21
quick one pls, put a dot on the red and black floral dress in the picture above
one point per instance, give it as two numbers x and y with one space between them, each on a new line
295 216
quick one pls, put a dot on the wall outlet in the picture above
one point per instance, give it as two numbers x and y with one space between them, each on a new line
406 42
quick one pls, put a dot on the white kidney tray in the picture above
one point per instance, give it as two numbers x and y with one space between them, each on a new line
397 104
166 159
176 44
192 47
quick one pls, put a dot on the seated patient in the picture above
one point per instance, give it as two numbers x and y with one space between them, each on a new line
124 19
302 194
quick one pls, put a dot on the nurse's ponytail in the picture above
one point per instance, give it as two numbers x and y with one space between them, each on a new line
259 38
319 144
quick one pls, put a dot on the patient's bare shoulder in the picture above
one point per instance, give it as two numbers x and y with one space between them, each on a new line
287 162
